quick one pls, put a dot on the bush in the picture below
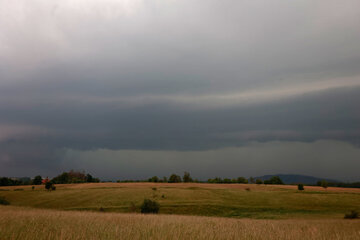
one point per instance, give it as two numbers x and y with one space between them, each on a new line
48 186
150 206
259 181
352 215
53 188
301 187
3 201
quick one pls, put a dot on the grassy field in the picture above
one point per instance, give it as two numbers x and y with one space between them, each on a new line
220 200
29 223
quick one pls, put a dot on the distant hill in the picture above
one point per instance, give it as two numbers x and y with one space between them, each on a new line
293 178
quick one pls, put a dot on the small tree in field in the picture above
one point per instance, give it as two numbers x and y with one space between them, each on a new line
150 206
174 178
324 184
300 187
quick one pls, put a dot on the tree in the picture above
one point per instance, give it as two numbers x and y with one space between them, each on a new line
242 180
324 184
252 180
62 178
77 176
300 187
74 177
154 179
274 180
186 177
259 181
227 180
174 178
89 178
37 180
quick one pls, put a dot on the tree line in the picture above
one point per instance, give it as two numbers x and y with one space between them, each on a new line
64 178
82 177
174 178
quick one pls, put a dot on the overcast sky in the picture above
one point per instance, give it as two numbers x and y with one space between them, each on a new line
135 88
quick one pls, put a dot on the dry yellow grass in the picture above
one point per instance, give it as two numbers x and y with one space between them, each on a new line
27 223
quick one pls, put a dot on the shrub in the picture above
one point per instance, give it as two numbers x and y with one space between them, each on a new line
3 201
33 188
259 181
53 188
150 206
352 215
48 185
301 187
101 209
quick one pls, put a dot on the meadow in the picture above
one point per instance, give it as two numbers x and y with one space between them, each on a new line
220 200
187 210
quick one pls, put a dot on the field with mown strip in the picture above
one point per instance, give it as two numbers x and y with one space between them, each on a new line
28 223
220 200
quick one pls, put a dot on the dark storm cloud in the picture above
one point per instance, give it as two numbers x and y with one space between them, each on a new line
321 158
325 115
174 75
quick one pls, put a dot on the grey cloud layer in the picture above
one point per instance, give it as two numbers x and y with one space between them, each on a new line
174 75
